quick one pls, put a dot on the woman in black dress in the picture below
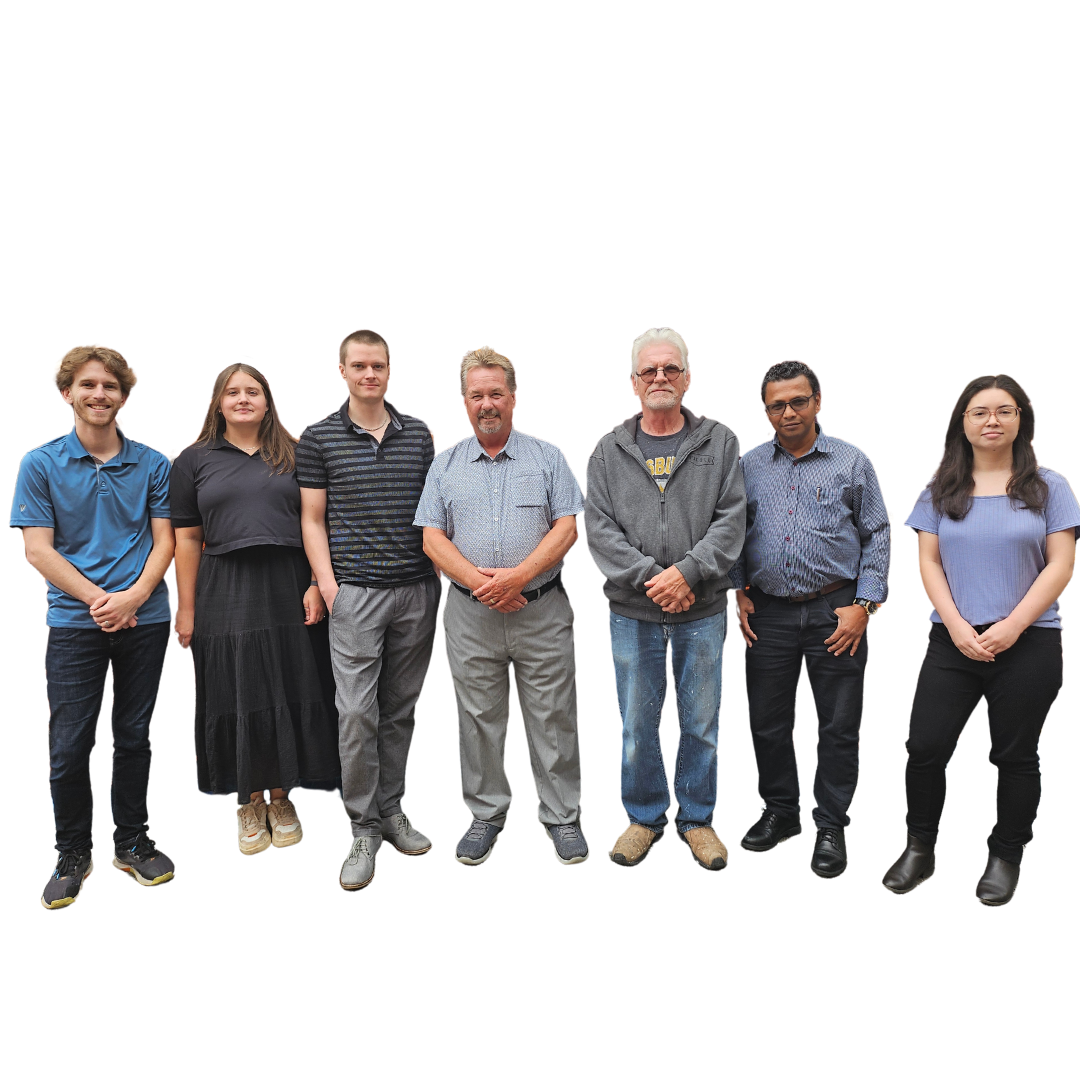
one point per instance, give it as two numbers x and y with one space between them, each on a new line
264 712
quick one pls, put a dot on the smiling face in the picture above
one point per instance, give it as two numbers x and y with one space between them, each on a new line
243 401
792 424
991 433
95 395
664 391
367 371
488 400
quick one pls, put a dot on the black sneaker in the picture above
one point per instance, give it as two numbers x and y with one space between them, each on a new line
72 869
143 861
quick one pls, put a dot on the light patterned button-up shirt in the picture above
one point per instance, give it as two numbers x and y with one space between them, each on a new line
497 510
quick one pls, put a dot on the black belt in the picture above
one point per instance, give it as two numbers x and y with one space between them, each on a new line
823 591
531 596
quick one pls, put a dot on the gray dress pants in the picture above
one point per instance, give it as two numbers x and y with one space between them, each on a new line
539 640
380 644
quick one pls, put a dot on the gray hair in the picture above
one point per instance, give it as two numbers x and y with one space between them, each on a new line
489 358
658 335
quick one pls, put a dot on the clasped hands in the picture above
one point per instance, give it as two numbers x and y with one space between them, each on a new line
115 611
985 646
670 590
501 589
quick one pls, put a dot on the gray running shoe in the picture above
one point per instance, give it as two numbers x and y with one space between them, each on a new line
359 868
400 832
72 869
570 846
144 862
475 846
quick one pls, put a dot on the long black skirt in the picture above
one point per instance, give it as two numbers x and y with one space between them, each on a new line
264 686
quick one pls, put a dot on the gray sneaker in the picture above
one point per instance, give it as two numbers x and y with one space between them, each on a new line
400 832
570 846
359 868
475 846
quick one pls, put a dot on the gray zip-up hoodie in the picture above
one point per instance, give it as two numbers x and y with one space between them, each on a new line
696 523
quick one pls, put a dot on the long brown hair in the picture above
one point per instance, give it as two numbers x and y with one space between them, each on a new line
277 444
953 482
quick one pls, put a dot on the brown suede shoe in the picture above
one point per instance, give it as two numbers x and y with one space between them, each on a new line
633 845
706 847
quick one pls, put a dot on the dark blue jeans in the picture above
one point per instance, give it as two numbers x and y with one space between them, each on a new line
787 634
640 652
76 663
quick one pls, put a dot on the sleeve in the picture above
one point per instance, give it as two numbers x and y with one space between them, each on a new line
431 510
616 558
159 487
713 556
428 455
924 518
310 467
872 520
1062 510
183 496
32 505
564 498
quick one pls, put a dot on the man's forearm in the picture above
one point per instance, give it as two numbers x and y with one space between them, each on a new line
443 552
161 554
52 566
317 549
550 550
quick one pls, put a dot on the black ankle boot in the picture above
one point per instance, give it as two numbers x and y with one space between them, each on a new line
912 868
998 883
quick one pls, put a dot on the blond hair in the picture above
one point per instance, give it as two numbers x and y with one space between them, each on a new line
658 335
488 358
109 359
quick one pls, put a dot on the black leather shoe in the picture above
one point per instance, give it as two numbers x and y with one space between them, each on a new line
830 853
912 868
998 883
771 830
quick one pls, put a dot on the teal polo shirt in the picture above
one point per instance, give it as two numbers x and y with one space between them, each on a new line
100 517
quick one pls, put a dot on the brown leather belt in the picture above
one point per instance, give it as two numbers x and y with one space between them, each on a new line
823 591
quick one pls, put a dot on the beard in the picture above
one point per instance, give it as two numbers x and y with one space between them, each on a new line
92 416
489 423
663 399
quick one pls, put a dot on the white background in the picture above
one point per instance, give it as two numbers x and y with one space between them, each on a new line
887 192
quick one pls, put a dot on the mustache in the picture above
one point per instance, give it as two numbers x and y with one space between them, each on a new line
488 414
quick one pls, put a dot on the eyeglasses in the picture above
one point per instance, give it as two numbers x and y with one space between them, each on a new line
778 408
670 371
1005 415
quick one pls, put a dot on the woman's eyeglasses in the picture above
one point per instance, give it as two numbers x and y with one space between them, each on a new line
1005 415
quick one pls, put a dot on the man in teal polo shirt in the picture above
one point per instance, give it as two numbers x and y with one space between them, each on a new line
94 511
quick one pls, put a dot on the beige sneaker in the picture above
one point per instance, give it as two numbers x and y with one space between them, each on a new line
706 847
284 824
633 845
251 827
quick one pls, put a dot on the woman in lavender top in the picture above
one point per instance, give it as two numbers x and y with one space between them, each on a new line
997 540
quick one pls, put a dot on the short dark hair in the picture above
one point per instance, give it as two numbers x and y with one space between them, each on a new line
789 369
363 337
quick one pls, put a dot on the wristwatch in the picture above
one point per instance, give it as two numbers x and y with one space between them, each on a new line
870 605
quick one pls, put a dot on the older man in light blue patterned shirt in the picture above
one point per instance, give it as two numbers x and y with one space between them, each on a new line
499 513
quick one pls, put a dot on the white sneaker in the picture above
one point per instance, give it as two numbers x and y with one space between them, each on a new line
251 828
284 824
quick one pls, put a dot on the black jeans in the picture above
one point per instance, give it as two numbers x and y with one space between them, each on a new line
1019 686
76 663
787 633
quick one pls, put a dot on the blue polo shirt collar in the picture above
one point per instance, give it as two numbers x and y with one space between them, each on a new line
476 451
821 445
75 449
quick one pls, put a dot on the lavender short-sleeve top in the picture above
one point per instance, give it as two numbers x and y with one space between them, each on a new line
993 556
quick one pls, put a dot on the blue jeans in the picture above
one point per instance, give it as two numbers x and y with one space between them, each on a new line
640 652
76 662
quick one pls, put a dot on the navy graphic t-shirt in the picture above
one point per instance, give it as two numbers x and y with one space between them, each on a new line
660 452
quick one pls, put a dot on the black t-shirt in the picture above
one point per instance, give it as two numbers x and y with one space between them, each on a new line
660 452
238 499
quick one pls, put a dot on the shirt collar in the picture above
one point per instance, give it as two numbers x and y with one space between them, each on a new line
348 425
127 455
476 451
821 445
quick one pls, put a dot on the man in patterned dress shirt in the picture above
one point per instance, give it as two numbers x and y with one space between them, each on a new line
814 568
499 513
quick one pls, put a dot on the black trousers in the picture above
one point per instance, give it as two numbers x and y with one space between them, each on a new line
1019 686
787 634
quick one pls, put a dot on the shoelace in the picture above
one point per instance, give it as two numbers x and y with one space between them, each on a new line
361 846
477 830
567 832
829 836
401 823
285 812
143 848
67 864
249 819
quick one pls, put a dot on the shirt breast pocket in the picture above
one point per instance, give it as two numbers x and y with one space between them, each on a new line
530 495
833 505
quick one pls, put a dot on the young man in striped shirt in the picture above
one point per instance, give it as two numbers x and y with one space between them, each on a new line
361 472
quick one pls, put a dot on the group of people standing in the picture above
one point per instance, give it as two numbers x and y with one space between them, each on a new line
308 580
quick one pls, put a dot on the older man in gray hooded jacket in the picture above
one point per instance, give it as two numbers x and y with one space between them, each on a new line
665 515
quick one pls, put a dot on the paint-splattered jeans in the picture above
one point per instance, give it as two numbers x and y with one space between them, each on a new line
640 652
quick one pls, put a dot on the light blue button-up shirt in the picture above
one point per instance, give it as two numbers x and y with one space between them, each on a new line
813 520
497 510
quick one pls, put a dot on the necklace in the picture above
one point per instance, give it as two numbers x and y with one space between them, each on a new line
246 449
379 428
